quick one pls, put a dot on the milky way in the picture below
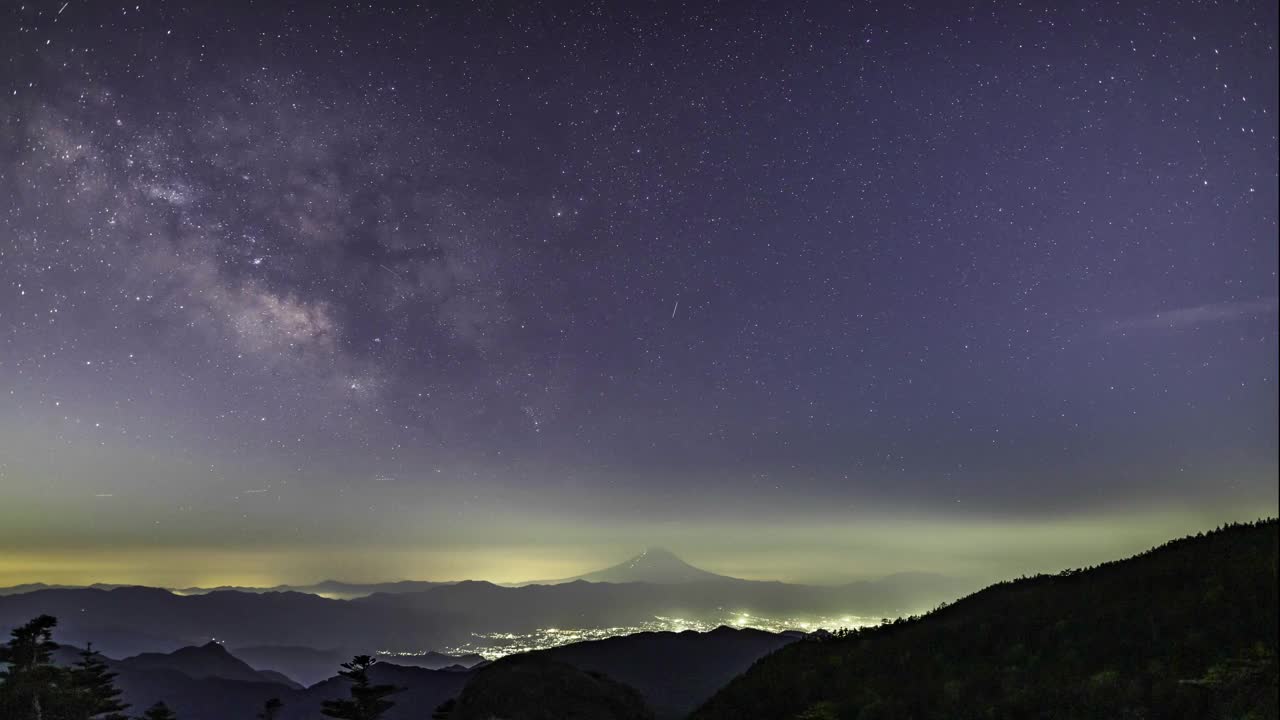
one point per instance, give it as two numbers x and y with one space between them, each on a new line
503 283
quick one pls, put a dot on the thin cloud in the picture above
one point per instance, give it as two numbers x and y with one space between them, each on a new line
1196 316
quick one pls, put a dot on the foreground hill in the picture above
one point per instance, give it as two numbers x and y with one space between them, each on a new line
535 687
1188 630
674 672
423 690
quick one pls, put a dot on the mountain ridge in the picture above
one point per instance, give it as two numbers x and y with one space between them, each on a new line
653 565
1186 630
210 660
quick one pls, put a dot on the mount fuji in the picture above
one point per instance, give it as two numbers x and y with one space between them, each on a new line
655 565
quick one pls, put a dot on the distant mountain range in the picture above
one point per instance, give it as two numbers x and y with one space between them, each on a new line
334 589
411 617
669 672
582 604
310 665
33 587
654 565
1184 631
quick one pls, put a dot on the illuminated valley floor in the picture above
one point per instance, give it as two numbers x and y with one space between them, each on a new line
495 645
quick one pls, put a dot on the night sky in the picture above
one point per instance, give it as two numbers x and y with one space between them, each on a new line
810 291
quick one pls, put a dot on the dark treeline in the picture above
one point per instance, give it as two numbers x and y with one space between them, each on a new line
1187 630
33 687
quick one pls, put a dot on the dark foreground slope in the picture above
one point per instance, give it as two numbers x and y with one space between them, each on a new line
1187 630
674 672
535 687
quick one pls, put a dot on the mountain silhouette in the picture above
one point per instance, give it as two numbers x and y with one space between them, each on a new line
423 691
127 621
1181 632
674 672
311 665
210 660
536 687
669 672
333 589
654 565
199 683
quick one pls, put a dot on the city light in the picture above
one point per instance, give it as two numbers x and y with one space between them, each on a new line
492 646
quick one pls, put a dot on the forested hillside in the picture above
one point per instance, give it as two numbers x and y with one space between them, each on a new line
1186 630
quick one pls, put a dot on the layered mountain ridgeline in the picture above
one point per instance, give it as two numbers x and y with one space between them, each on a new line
656 675
486 607
32 587
421 690
39 679
210 660
334 589
129 620
1187 630
311 665
670 673
657 582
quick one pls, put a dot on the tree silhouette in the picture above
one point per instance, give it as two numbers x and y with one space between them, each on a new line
31 686
270 709
159 711
367 700
93 693
29 646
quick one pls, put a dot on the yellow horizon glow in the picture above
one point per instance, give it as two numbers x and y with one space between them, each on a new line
822 553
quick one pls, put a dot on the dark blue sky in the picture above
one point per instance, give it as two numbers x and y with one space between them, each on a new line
270 272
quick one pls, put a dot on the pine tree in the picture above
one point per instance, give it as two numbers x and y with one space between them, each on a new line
367 700
29 646
270 709
159 711
31 685
92 689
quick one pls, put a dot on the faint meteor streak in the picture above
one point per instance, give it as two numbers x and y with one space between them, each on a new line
674 309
